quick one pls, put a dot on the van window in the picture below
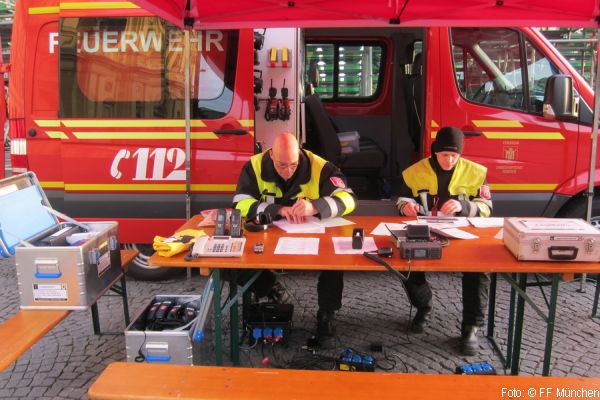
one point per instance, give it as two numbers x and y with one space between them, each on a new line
487 66
539 69
347 71
134 68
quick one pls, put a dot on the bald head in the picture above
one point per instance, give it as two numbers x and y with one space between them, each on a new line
285 154
285 143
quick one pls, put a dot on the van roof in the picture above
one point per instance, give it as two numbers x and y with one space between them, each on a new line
362 13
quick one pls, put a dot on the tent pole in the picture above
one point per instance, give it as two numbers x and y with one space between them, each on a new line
592 170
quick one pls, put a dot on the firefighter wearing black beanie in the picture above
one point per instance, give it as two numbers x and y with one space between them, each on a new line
449 138
448 184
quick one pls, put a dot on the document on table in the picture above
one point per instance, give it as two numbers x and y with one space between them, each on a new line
297 245
381 230
456 233
500 234
442 222
343 245
310 225
492 222
333 222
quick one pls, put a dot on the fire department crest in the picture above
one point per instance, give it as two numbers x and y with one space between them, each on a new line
484 192
338 182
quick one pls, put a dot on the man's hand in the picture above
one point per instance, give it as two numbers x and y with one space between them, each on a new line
451 207
303 208
290 216
410 209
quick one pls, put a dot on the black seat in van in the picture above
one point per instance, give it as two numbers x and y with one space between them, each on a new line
322 138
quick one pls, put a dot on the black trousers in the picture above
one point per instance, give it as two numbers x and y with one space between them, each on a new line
329 288
475 291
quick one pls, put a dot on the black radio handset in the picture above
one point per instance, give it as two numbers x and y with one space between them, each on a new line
151 316
163 310
235 229
220 222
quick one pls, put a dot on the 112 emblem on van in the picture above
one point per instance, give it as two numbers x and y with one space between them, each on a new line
160 164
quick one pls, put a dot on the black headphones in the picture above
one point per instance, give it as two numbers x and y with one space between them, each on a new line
260 223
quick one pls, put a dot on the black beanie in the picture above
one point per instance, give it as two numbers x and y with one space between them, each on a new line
448 138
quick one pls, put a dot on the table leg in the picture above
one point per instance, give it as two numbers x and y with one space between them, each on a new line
217 311
95 319
550 324
596 295
510 334
492 305
125 301
234 320
522 282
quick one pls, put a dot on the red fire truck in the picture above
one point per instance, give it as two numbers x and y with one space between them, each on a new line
120 121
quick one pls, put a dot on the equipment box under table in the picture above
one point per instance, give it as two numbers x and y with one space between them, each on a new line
552 239
60 265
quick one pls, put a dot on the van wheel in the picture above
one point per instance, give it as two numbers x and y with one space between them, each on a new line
140 269
578 208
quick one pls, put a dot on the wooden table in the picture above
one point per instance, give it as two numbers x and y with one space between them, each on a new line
484 254
121 381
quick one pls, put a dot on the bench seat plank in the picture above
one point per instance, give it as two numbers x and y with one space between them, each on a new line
25 328
122 380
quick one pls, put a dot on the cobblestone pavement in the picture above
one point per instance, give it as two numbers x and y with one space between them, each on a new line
66 361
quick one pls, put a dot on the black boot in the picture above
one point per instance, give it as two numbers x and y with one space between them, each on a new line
325 323
420 320
469 344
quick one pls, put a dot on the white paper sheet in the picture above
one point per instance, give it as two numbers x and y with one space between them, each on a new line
500 234
492 222
297 245
443 222
343 245
333 222
309 226
381 230
458 234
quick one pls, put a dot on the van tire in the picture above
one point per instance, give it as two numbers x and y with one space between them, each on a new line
140 270
577 208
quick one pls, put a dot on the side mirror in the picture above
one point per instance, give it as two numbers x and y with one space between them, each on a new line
559 100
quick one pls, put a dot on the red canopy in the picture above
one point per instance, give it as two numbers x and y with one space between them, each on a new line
355 13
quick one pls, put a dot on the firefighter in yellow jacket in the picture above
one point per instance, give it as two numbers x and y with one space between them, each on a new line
288 182
447 184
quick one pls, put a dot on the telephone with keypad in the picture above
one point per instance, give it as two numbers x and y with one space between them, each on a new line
218 246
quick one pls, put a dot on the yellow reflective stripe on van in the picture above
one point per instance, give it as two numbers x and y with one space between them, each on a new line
518 135
96 5
146 187
52 185
56 135
434 124
50 123
524 135
131 123
523 187
247 123
143 135
496 123
43 10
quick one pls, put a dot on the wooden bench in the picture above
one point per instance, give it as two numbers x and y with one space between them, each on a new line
25 328
122 380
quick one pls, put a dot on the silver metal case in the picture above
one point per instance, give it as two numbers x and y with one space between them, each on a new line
171 345
552 239
68 277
